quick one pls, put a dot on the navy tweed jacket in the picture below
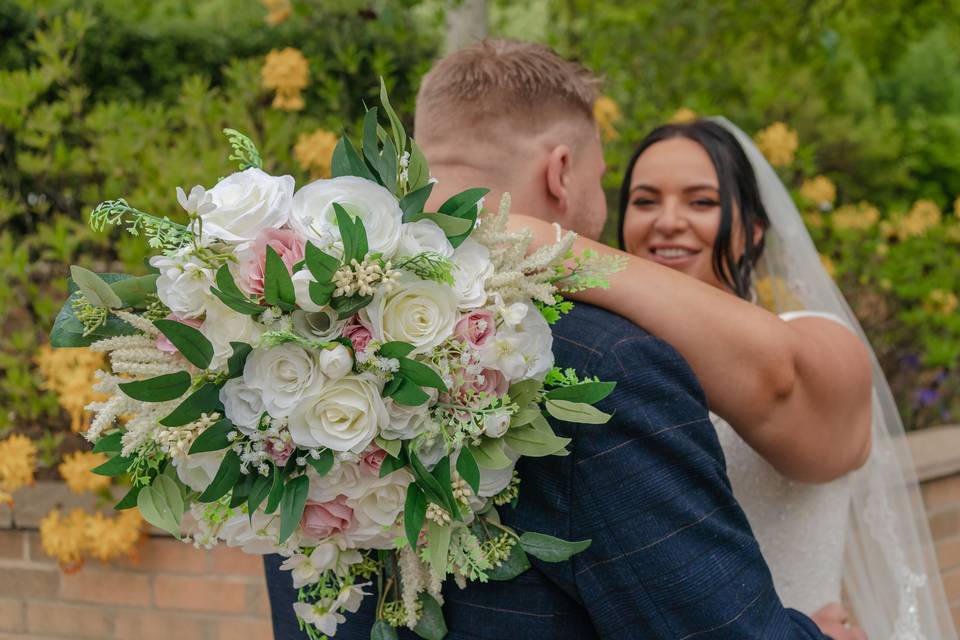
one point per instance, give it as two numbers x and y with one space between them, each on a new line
673 556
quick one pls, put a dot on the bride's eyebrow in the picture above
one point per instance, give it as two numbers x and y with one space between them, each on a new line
644 187
700 187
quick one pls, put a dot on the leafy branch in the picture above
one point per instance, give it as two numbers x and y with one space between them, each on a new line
161 233
244 151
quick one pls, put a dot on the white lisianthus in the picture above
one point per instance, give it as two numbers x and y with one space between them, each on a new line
523 350
420 312
314 217
496 424
376 510
430 447
301 288
471 268
317 325
247 202
423 235
336 361
325 620
198 469
222 325
282 374
183 284
327 556
242 404
198 202
344 414
351 597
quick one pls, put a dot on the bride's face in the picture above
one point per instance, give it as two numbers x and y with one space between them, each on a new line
673 214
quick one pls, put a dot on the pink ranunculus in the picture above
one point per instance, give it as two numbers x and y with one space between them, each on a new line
491 381
475 328
163 343
372 459
323 519
288 245
358 333
280 453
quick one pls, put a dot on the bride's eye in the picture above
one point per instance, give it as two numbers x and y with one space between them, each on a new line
705 203
642 202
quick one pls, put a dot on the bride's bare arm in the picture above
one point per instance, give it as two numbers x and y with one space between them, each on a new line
797 392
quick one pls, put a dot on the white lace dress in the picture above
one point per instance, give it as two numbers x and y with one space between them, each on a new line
801 528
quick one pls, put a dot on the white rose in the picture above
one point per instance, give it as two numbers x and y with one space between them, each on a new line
344 479
282 374
183 284
493 481
406 422
420 312
335 361
301 289
317 325
423 235
472 268
314 217
524 350
430 447
198 470
376 510
246 203
496 424
242 404
222 325
344 414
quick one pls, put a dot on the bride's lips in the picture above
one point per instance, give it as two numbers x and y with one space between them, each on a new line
671 255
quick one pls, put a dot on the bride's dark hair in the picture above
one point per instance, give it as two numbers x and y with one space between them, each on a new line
738 190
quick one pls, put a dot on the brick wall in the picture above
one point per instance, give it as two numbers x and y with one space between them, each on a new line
174 591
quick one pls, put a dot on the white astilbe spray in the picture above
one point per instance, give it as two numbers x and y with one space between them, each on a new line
138 322
412 582
518 276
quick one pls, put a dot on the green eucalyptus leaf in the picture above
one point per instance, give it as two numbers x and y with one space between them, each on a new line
276 491
438 545
399 135
371 150
468 469
460 205
134 292
452 227
163 388
97 292
395 349
536 439
68 331
408 393
489 454
414 513
585 392
515 564
115 466
321 265
214 438
383 631
576 412
346 307
206 399
237 359
224 480
431 625
193 345
111 443
161 504
550 549
277 284
418 173
390 446
292 504
390 464
413 203
129 500
421 374
259 491
322 463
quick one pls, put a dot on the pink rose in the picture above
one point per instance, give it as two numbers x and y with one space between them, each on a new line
358 333
490 381
324 519
372 459
280 453
287 244
163 343
475 328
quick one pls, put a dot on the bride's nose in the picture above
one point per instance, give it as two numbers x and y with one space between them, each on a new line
671 219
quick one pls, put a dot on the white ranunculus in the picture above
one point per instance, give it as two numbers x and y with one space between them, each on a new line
493 481
282 374
420 312
301 289
496 424
242 404
344 414
314 217
248 202
471 269
376 510
222 325
523 350
336 361
430 447
183 284
406 422
198 470
423 235
317 325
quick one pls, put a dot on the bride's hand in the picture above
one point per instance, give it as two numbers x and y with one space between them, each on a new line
834 622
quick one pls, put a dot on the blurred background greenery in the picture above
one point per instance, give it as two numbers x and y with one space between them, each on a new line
858 103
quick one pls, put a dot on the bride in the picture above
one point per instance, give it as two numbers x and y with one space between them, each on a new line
814 445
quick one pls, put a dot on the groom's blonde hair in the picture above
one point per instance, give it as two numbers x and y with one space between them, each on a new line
496 83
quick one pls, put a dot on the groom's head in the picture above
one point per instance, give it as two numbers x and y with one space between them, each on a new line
515 116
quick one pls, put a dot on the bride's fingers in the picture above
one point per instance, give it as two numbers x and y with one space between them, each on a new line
833 611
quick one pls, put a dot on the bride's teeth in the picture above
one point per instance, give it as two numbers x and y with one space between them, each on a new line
673 253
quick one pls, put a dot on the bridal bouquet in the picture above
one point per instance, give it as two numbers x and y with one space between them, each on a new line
337 376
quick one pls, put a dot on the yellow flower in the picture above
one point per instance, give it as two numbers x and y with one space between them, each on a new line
922 216
813 219
18 458
855 217
279 10
287 71
941 302
109 538
682 116
314 152
773 294
75 470
820 191
828 265
607 113
883 249
778 143
71 374
65 538
885 284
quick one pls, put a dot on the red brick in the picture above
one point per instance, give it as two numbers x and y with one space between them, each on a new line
951 584
68 620
941 492
165 554
945 524
956 616
152 625
11 615
246 628
948 553
233 561
106 587
35 552
12 545
199 594
40 582
258 603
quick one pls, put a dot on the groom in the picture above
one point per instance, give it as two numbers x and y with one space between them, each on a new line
672 555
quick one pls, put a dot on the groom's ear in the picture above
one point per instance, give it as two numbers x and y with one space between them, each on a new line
559 163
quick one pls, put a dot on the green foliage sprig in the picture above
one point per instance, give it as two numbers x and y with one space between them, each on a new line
162 233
